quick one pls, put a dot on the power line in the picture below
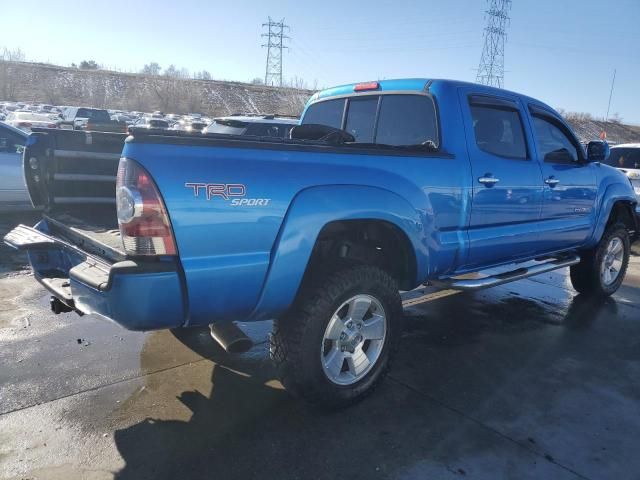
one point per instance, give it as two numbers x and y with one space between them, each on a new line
275 44
491 69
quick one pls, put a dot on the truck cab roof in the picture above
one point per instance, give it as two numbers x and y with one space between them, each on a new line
408 85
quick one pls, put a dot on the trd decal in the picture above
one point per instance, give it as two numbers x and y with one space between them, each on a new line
226 191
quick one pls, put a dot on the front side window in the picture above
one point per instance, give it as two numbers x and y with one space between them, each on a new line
553 145
499 131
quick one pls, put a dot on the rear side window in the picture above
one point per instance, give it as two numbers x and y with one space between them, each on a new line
553 144
361 118
279 130
407 120
10 142
327 113
624 158
499 131
94 115
229 127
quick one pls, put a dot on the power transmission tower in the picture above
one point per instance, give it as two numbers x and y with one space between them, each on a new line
491 69
275 45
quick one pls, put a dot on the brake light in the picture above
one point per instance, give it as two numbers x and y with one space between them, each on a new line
144 223
361 87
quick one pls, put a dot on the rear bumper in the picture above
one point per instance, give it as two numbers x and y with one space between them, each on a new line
139 295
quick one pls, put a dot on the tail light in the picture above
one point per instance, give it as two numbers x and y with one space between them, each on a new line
24 124
142 216
52 125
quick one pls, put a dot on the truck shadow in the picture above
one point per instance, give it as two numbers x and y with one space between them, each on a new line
246 426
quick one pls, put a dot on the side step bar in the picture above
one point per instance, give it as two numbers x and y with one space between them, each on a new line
506 277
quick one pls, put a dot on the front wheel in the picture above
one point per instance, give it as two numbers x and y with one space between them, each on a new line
601 270
335 344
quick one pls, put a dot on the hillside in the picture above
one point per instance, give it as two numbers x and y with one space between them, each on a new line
589 129
34 82
31 82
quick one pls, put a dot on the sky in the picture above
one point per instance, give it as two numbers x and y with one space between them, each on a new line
562 52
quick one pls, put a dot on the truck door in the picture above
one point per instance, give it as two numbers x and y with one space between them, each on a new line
507 181
568 211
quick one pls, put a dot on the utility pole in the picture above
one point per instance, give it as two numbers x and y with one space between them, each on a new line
275 44
491 69
613 82
603 134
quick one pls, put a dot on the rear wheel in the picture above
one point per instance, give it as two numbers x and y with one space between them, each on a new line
334 345
601 270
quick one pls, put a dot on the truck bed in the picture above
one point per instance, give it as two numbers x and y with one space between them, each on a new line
95 228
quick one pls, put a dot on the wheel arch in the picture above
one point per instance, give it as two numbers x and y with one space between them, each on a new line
323 209
617 202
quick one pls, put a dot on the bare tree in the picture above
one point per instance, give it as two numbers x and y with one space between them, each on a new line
9 80
151 69
203 75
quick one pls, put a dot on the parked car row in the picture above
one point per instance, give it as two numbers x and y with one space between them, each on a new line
26 116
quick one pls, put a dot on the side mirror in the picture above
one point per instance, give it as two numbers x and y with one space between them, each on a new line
597 151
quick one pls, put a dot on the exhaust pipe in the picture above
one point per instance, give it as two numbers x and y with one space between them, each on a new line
230 337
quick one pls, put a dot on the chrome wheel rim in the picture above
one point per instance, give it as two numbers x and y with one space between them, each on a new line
353 339
612 261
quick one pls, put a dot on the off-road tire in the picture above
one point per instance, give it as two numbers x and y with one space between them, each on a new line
297 337
585 276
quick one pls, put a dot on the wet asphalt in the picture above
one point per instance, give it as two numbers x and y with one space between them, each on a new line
524 381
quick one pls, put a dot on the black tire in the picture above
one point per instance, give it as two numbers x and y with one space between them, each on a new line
297 339
585 276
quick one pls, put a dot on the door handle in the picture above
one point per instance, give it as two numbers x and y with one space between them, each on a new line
552 181
488 181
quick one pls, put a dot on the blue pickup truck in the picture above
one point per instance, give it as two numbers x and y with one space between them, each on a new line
384 186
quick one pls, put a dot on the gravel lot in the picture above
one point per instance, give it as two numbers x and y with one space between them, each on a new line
527 380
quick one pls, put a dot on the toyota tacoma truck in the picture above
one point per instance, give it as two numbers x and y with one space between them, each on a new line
383 187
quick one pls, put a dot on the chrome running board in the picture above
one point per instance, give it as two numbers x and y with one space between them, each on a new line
506 277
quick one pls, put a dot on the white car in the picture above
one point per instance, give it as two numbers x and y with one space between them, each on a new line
13 192
626 158
27 120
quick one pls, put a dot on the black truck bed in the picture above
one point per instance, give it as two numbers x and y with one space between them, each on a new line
95 228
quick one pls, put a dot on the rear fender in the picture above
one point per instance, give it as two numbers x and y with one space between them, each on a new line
309 212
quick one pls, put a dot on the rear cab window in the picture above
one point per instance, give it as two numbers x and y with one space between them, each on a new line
327 112
398 119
